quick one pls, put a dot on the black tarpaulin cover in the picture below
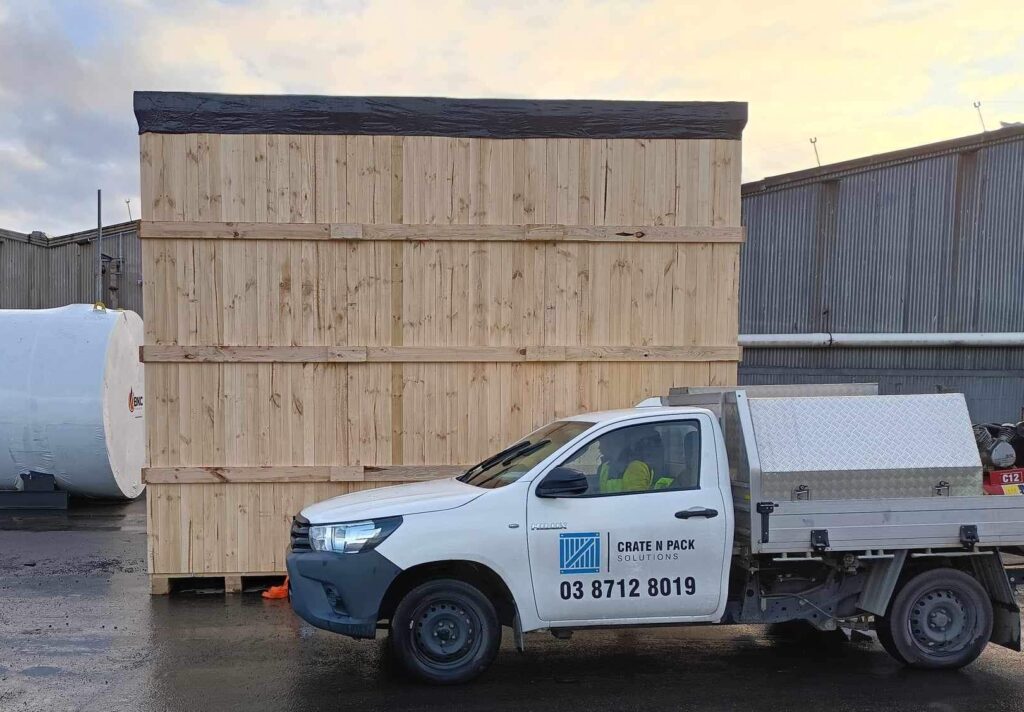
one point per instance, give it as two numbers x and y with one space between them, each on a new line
187 112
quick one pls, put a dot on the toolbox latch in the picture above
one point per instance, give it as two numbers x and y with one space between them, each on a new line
969 536
801 494
819 540
942 489
765 509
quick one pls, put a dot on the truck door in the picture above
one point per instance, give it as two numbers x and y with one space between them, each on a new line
648 538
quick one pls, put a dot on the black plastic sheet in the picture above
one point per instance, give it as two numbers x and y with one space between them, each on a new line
186 112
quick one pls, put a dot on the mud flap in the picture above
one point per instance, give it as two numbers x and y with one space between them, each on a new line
882 579
991 574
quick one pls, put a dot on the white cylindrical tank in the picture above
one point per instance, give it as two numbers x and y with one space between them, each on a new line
71 399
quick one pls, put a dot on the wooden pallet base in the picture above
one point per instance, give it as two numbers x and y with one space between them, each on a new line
164 584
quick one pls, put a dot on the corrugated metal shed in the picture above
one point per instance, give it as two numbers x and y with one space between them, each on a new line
38 272
928 239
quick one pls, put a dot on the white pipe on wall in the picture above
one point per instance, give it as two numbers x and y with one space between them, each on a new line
920 340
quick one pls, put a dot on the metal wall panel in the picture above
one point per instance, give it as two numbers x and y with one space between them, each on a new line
991 396
929 241
37 273
16 261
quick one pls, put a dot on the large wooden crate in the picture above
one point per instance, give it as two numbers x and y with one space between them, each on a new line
332 311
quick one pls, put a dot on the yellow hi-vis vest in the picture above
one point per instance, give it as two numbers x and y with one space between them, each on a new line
637 477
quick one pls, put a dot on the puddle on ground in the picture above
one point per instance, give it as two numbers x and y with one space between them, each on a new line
41 671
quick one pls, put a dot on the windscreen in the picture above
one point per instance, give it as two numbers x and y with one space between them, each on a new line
513 462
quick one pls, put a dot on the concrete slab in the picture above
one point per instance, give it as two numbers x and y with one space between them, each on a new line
79 631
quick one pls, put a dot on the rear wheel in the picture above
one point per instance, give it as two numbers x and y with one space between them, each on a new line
940 619
445 632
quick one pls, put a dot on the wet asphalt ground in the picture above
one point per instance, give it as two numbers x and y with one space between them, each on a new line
79 631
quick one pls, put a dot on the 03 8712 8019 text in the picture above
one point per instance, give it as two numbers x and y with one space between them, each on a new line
628 588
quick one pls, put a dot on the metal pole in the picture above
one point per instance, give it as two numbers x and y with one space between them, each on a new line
120 245
99 246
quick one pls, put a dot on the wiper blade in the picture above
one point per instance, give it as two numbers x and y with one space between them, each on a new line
525 451
497 457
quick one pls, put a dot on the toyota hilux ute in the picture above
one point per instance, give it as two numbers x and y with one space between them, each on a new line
828 505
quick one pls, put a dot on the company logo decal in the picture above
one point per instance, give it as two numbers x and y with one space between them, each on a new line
579 553
134 401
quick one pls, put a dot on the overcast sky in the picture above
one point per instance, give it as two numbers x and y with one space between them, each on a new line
863 77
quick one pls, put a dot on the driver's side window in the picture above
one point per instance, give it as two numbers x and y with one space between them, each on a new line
641 458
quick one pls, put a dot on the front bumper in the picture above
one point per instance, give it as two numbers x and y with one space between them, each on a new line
340 592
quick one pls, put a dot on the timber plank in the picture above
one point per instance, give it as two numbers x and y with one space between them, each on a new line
411 473
264 473
233 230
386 232
431 354
299 474
252 354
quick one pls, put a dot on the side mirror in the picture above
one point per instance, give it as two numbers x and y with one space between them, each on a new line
563 482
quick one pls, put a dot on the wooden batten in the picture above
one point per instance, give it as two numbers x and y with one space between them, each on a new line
266 473
251 354
433 354
327 313
298 473
451 233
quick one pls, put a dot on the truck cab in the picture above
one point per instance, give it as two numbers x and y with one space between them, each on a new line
628 518
612 518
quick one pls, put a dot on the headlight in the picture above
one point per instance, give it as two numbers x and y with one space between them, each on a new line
352 537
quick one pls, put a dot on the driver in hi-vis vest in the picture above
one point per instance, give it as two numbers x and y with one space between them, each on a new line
629 465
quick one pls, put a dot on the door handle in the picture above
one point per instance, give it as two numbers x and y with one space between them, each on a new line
697 512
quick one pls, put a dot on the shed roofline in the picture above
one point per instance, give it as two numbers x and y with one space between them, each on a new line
881 160
80 236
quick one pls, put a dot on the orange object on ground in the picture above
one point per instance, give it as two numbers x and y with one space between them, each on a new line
277 591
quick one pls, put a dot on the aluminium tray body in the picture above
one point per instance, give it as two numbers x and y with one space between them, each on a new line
881 472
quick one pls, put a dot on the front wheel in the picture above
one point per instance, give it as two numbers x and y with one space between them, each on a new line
445 632
941 619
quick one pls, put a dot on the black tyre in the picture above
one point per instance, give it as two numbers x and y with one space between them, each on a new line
940 620
445 632
883 629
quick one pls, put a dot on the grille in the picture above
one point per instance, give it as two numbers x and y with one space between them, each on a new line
300 533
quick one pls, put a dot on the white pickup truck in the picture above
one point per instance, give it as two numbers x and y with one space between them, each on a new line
746 505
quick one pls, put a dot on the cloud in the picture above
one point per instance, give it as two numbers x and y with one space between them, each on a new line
861 77
66 126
